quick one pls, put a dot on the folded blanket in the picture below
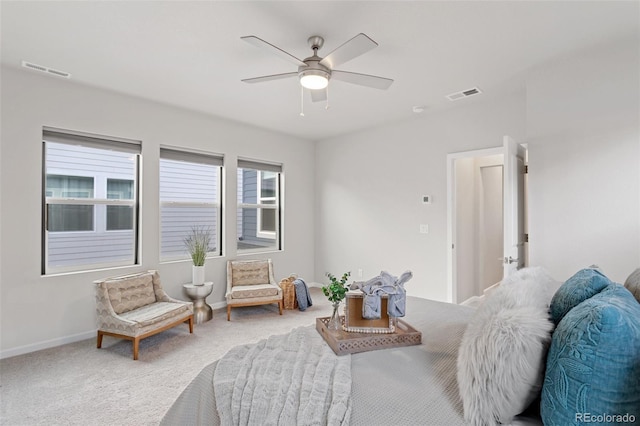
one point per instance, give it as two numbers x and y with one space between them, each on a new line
302 294
288 379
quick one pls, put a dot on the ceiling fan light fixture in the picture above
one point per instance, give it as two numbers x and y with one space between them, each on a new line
314 79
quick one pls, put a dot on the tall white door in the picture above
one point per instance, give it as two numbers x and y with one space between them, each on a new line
514 207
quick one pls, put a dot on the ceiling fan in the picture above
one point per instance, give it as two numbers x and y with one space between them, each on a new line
315 72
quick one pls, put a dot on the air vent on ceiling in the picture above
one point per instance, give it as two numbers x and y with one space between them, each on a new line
45 70
464 94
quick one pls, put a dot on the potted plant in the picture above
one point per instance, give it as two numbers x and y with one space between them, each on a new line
336 291
197 244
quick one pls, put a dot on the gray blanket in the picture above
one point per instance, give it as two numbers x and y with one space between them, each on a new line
413 385
286 379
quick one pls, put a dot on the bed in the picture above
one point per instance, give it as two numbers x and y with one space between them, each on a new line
407 385
534 351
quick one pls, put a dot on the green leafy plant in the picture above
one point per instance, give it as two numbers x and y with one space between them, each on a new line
337 290
197 243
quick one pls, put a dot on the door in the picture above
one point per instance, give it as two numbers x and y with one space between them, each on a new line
514 208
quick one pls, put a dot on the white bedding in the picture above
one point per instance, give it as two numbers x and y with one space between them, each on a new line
413 385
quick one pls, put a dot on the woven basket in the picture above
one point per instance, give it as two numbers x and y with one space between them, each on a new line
289 293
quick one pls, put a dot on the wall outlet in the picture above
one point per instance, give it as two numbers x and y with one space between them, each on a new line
424 229
359 273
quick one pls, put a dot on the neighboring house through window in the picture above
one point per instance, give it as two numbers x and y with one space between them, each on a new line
189 197
259 217
90 214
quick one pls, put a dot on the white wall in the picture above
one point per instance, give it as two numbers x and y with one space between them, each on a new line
581 118
583 122
39 311
369 187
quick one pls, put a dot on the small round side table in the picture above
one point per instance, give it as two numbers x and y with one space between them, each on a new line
198 294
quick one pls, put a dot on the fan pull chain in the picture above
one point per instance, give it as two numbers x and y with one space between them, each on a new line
327 105
301 101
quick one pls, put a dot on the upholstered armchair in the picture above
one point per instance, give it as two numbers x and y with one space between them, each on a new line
250 283
134 307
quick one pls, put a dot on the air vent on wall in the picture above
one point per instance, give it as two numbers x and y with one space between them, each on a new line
464 94
45 70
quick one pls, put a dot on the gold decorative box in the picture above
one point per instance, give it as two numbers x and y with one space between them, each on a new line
353 321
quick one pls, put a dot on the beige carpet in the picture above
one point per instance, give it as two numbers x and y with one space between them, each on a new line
77 384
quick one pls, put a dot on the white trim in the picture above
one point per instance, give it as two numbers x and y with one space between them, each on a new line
218 305
46 344
452 296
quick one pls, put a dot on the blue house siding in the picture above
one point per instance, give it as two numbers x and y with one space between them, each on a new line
96 246
248 225
184 182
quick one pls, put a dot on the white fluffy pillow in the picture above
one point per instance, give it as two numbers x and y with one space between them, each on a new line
503 351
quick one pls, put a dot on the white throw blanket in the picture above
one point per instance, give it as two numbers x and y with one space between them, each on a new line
293 378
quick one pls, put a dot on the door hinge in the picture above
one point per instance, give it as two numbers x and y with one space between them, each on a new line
526 238
526 169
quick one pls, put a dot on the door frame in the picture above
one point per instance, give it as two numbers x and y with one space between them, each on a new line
451 213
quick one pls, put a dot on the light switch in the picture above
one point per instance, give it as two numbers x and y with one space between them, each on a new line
424 229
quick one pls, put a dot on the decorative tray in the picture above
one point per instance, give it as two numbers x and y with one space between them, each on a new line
343 342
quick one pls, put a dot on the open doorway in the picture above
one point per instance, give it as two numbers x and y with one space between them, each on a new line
482 217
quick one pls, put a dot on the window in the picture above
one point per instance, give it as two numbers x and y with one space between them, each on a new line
90 202
189 197
120 218
259 216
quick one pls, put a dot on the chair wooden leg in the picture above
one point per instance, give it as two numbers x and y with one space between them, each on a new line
228 312
136 346
99 342
280 305
191 324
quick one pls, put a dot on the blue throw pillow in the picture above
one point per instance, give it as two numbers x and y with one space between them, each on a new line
593 364
580 287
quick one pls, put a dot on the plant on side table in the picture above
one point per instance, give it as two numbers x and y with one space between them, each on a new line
336 291
197 244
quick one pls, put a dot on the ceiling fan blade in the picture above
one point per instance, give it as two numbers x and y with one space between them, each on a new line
318 95
258 42
362 79
351 49
270 77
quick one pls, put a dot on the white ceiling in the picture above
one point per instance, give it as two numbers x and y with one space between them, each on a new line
189 53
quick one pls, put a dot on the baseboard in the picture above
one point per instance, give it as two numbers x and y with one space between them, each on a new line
218 305
21 350
314 284
473 301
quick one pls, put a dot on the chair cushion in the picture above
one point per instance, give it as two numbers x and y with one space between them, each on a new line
249 291
129 293
580 287
249 273
155 312
592 365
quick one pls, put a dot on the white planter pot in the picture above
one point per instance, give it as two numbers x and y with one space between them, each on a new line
197 275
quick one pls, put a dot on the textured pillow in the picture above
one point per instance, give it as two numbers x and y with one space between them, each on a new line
250 273
593 366
633 284
580 287
129 293
502 353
